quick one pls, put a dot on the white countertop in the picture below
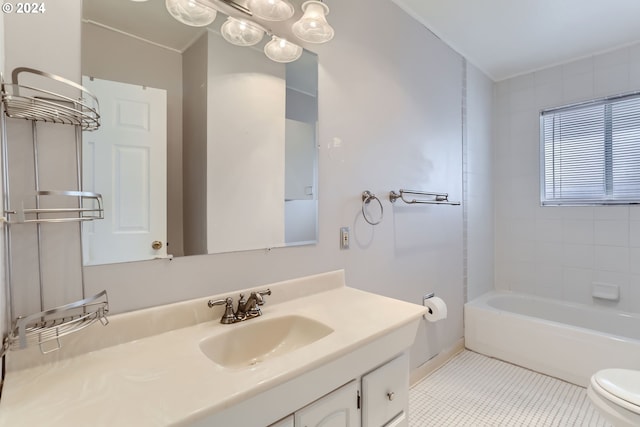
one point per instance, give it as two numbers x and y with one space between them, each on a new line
165 379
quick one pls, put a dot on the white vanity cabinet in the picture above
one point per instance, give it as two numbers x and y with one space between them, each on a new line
337 409
385 394
379 398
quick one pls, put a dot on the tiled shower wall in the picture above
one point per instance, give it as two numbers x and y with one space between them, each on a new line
559 252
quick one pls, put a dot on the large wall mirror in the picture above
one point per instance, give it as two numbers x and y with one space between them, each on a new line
205 147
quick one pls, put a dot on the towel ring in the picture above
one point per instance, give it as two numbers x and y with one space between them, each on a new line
367 196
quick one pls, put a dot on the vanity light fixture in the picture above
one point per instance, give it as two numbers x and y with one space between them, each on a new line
313 26
281 50
240 32
189 12
272 10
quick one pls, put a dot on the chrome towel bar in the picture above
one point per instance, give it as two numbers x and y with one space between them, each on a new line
437 198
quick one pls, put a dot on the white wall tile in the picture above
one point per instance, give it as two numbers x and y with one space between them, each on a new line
575 255
548 95
548 212
611 258
549 253
618 57
548 281
611 212
578 87
576 284
580 66
634 76
524 277
611 80
524 122
634 53
522 99
549 230
578 231
524 81
547 76
634 293
634 260
611 232
634 234
578 212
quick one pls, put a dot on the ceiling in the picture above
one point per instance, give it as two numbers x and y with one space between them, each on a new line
505 38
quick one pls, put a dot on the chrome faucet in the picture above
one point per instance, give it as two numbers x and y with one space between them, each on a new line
247 308
250 307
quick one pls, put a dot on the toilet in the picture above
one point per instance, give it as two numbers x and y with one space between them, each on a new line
616 395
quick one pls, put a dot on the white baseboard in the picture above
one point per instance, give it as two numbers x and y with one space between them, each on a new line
435 362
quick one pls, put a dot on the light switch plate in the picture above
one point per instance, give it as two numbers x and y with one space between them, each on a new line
344 237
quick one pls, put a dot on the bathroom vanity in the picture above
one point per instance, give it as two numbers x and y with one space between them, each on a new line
321 350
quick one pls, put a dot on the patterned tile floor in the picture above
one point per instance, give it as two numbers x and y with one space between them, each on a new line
474 390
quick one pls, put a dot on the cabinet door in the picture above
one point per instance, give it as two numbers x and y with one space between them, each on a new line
385 394
337 409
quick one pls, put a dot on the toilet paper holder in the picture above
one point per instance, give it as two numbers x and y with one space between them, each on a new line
437 309
426 297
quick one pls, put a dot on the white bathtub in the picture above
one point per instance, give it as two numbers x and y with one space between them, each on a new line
564 340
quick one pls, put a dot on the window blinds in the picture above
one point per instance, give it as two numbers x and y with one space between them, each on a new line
591 153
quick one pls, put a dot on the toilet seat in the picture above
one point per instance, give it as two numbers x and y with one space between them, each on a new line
619 386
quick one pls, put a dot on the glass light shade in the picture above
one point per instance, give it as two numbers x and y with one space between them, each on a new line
281 50
241 33
313 26
191 13
271 10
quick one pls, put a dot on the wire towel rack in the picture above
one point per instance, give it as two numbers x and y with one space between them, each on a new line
434 198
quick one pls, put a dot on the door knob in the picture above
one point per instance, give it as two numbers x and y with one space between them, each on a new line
156 245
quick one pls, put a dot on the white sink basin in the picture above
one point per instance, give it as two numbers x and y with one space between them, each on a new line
244 345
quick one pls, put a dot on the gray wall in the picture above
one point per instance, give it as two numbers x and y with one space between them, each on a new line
393 98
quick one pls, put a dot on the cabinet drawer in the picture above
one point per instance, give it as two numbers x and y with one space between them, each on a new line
385 392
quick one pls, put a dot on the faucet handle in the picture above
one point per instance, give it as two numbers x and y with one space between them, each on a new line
228 316
240 312
259 296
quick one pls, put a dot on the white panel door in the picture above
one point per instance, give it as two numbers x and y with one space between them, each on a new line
126 161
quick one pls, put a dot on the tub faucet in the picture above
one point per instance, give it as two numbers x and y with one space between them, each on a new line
250 307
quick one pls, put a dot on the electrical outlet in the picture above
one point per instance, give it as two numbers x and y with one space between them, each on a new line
344 238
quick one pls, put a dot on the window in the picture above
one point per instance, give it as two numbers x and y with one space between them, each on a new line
591 152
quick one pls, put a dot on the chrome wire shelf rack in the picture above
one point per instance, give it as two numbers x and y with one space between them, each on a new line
31 103
72 105
41 215
46 328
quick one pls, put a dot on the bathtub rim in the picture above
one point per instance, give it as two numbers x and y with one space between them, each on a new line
482 302
550 347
